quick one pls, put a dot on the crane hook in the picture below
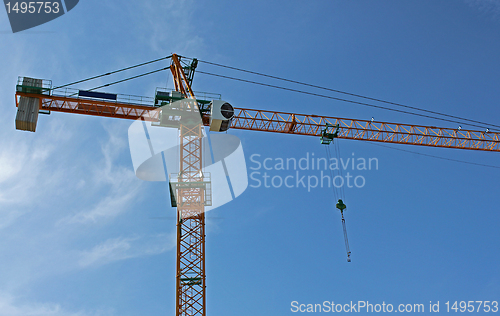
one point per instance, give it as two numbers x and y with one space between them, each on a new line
341 206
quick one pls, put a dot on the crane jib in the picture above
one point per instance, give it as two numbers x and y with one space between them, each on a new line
277 122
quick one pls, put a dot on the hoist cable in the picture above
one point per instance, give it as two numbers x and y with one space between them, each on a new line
339 156
347 249
332 173
338 194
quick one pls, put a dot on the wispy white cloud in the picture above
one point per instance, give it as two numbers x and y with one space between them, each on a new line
121 186
45 176
25 175
108 251
116 249
10 306
169 25
10 166
20 171
9 216
490 8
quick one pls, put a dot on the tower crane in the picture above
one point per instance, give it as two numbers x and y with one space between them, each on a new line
34 96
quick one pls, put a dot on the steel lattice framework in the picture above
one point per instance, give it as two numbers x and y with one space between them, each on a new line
190 277
289 123
66 102
189 182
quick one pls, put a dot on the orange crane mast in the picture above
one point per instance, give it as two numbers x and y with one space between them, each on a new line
190 202
35 96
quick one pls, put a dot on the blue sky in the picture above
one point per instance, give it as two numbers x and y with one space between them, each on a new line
79 232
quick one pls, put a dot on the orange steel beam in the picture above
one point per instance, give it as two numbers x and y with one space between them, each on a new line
190 276
299 124
290 123
93 107
190 199
180 80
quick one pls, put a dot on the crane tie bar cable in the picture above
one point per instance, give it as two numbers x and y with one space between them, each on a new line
338 99
350 94
112 72
126 79
437 157
130 78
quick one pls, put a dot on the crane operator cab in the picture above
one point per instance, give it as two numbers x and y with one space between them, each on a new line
221 115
